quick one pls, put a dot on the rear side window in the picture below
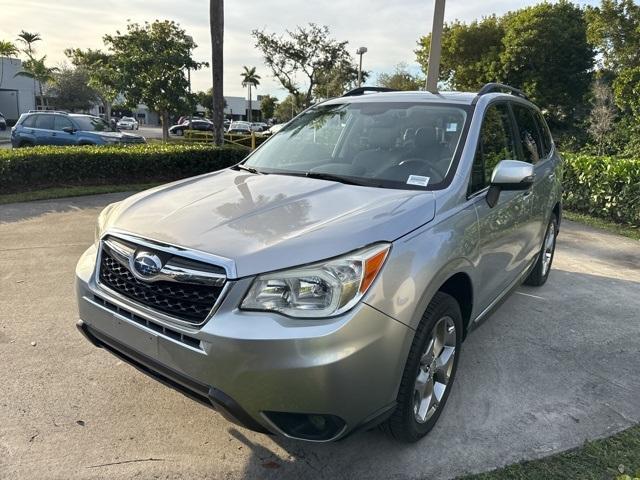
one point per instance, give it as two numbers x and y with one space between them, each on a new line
547 141
29 122
62 122
496 143
532 148
45 122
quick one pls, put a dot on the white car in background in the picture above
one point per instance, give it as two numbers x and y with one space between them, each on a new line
128 123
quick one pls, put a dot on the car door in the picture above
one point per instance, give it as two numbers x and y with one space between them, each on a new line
44 129
537 199
501 255
61 137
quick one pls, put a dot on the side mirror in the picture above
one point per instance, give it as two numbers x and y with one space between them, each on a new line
69 130
509 175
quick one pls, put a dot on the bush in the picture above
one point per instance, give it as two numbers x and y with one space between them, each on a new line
605 187
46 167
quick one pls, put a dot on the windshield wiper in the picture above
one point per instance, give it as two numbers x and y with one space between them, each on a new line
342 179
241 166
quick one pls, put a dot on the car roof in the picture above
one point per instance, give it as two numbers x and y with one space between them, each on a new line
462 98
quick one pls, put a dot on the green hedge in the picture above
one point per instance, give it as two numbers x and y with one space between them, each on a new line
605 187
45 167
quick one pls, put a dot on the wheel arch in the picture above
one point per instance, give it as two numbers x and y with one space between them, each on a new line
460 287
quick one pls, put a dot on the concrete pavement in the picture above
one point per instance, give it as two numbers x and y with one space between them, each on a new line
553 367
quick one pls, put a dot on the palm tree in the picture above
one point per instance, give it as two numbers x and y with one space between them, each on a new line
28 39
216 25
7 49
37 69
250 79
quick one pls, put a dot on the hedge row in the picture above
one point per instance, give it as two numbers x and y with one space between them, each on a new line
46 167
605 187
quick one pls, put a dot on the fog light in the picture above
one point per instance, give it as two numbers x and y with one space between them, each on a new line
307 426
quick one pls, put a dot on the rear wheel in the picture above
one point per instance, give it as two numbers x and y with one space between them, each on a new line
429 371
542 268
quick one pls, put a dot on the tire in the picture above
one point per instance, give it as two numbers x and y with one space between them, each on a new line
180 132
542 267
25 145
415 415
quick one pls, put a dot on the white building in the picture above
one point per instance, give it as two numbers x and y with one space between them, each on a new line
238 107
17 94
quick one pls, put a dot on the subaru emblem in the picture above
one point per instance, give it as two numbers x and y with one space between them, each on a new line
147 264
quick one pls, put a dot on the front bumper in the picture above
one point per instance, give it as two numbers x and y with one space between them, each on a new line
254 367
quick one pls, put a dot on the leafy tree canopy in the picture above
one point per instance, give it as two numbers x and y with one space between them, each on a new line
268 106
542 49
401 79
307 53
151 61
71 90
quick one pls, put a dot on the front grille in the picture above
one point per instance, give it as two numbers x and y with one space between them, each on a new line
184 301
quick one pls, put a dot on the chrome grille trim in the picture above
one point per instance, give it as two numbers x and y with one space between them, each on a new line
121 250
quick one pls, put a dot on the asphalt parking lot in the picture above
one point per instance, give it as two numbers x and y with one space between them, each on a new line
551 368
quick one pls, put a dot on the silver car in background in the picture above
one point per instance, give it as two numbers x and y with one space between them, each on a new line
128 123
325 284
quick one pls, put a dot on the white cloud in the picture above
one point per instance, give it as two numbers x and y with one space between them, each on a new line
390 29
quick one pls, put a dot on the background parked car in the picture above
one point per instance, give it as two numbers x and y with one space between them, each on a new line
200 125
259 127
240 128
59 128
275 129
128 123
3 122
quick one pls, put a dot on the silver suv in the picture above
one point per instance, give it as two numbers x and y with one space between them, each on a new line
325 284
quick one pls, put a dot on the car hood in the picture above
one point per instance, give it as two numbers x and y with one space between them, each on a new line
118 135
269 222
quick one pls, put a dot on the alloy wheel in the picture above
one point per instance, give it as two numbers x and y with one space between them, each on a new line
549 247
436 366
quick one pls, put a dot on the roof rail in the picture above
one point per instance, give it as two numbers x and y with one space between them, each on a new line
362 90
49 111
500 87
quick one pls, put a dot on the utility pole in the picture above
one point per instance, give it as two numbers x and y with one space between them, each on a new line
361 51
436 47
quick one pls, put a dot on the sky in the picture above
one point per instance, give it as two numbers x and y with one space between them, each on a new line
388 28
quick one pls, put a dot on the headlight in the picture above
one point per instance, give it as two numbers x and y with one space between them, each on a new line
103 220
321 290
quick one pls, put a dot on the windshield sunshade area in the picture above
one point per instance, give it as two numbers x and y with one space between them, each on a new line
392 145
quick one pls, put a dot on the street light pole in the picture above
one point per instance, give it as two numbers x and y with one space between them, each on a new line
436 47
361 51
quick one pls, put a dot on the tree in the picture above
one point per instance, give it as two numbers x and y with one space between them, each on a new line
401 79
268 106
603 114
28 39
150 60
287 109
614 30
101 73
546 53
470 53
341 78
307 52
250 79
216 26
37 69
7 49
71 90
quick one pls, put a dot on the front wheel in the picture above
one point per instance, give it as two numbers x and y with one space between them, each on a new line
542 268
429 372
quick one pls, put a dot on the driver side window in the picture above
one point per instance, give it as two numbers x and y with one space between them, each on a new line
496 143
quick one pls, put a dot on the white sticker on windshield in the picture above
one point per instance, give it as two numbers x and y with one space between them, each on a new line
452 127
418 180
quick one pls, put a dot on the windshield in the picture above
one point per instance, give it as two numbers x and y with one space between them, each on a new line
393 145
93 124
